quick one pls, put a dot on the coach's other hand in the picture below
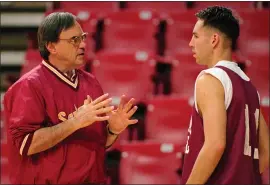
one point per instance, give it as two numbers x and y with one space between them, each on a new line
120 118
93 111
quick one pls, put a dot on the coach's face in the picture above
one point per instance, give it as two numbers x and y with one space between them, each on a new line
71 46
201 43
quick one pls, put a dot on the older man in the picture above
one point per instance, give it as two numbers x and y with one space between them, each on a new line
57 114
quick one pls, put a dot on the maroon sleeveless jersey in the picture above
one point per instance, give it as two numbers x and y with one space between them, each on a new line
239 163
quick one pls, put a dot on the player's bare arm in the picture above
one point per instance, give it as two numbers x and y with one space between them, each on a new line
263 144
210 100
120 119
86 115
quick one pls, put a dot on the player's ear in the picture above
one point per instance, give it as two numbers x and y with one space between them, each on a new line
51 47
215 40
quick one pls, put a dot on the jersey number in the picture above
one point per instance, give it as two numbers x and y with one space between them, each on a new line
189 133
247 147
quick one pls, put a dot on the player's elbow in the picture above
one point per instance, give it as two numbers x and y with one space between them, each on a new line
218 147
264 160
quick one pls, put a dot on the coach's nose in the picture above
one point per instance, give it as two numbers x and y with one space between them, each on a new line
82 44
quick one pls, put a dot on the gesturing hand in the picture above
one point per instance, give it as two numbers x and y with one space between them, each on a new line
92 111
120 118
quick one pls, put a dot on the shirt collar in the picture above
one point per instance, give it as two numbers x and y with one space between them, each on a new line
73 81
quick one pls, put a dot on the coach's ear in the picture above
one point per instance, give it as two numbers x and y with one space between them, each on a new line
51 47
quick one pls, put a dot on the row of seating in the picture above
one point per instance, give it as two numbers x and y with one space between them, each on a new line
127 30
143 163
163 115
157 6
124 72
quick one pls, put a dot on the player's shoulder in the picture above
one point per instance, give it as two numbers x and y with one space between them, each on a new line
212 78
205 80
214 70
213 74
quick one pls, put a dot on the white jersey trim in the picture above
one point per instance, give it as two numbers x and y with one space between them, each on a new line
223 77
23 143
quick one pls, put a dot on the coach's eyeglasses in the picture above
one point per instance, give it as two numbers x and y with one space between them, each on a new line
76 40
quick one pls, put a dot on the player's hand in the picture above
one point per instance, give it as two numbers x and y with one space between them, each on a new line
93 111
120 118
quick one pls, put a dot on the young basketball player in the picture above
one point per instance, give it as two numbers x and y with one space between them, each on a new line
228 139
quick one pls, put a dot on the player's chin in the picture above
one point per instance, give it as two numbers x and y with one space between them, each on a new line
199 61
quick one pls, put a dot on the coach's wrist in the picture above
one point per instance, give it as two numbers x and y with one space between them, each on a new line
74 123
111 132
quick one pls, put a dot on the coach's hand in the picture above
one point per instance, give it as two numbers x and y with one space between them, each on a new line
92 111
120 118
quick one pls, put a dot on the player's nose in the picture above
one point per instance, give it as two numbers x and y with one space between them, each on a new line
191 43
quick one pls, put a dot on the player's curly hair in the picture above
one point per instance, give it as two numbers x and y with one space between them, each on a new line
221 18
50 29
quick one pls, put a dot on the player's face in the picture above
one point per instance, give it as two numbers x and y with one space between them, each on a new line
201 43
71 46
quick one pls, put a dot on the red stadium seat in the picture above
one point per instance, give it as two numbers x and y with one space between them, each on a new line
184 74
157 6
254 34
4 164
32 59
92 6
130 30
265 112
4 171
150 163
125 73
238 5
167 119
3 127
258 71
4 149
179 31
85 17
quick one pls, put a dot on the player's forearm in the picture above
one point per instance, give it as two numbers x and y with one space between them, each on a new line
48 137
263 144
264 162
264 155
205 164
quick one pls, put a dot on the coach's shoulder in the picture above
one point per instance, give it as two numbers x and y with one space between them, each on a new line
28 80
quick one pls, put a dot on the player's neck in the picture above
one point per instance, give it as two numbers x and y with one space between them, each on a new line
218 56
